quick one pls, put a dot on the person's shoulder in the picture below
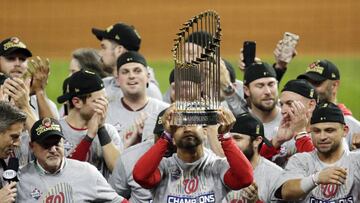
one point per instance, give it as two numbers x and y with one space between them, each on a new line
303 157
158 102
81 166
266 164
28 168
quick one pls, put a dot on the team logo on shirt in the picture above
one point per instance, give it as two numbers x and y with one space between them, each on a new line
191 185
329 190
60 193
36 194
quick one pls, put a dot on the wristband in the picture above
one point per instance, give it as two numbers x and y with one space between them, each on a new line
223 137
87 138
104 136
167 136
307 184
315 178
300 135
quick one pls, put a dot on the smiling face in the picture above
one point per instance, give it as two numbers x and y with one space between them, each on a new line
10 139
133 78
327 137
263 93
50 153
13 65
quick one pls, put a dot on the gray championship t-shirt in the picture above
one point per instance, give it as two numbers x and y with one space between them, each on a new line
95 155
200 181
264 175
122 179
75 182
124 119
305 164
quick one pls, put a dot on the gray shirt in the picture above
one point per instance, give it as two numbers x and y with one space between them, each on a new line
75 182
264 175
95 155
305 164
124 119
200 181
122 180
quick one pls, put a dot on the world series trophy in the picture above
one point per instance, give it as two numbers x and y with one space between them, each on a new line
196 54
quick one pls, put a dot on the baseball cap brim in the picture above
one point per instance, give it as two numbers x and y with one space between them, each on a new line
63 98
312 76
45 142
266 141
24 51
100 34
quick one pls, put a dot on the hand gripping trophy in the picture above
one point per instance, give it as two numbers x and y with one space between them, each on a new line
197 70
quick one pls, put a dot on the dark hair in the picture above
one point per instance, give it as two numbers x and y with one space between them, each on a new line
10 115
81 97
89 59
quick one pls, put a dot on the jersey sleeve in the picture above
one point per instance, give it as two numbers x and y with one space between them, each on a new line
119 180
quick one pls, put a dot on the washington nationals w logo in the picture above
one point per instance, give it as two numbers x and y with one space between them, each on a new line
329 190
191 185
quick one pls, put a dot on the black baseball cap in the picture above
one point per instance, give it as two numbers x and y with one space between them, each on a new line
13 44
80 83
124 34
301 87
327 112
258 70
320 71
248 124
44 129
131 57
159 128
200 38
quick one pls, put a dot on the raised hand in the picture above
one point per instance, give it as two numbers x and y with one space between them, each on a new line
18 91
39 70
250 193
226 120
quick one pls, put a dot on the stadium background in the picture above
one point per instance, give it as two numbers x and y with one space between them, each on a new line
327 29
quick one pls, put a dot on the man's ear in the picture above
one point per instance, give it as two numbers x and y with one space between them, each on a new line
246 90
77 102
257 141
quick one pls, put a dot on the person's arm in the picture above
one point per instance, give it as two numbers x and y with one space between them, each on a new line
110 151
82 149
119 178
215 146
240 173
303 142
8 193
40 71
146 172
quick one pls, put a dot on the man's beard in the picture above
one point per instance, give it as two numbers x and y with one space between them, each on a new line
262 107
188 142
332 149
249 152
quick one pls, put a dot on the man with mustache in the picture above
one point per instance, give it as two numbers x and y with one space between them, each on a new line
194 173
325 76
12 122
328 174
54 178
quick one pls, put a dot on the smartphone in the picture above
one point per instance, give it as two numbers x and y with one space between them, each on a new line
289 42
249 51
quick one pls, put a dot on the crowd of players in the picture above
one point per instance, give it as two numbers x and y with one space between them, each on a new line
112 140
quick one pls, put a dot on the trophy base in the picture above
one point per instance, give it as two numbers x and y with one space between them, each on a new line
195 118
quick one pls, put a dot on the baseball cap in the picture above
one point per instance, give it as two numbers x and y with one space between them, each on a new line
80 83
200 38
131 57
301 87
258 70
13 44
125 35
159 128
248 124
44 129
320 71
327 112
